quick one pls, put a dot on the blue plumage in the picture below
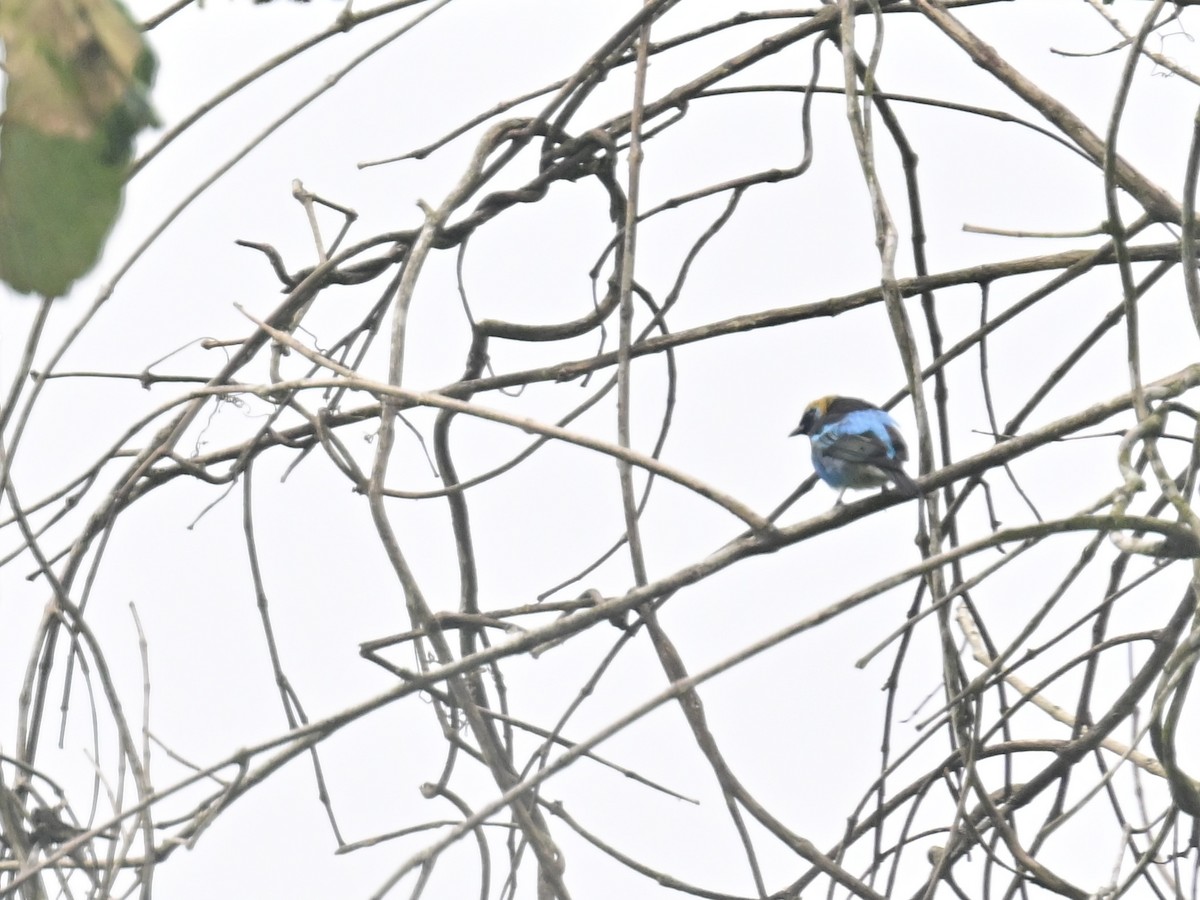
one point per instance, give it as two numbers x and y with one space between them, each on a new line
856 445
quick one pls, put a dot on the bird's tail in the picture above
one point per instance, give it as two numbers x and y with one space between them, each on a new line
905 486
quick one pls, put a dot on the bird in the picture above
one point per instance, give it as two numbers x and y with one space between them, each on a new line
49 828
855 444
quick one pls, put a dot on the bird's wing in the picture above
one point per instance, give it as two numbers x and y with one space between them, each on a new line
859 448
898 443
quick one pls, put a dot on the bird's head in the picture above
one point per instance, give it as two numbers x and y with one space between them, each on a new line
812 414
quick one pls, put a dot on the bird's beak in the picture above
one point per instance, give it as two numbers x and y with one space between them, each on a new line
799 430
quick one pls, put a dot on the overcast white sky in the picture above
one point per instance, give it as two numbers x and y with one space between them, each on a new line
799 724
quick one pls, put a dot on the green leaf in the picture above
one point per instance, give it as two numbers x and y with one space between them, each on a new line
79 73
